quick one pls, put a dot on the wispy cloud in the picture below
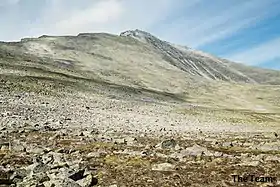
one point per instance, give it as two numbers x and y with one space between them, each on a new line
65 17
8 2
100 13
255 56
201 25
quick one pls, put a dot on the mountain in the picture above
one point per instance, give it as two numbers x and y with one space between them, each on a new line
135 61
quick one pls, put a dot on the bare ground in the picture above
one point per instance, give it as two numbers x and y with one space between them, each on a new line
121 142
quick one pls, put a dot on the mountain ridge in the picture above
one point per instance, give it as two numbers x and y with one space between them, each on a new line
192 62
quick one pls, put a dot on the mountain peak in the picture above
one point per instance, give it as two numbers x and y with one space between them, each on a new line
138 34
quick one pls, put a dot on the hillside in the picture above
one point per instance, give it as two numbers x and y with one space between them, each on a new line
138 61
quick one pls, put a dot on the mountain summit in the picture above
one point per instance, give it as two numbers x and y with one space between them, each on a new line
138 34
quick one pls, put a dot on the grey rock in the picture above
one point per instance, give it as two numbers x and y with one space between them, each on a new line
196 150
35 150
259 157
88 181
254 163
273 158
59 165
61 183
78 175
93 155
163 167
218 154
5 176
167 144
120 141
47 159
34 180
31 168
58 158
41 168
177 148
18 148
273 146
5 146
227 144
41 177
19 175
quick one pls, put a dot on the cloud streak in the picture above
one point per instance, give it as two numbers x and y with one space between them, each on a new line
60 17
8 2
264 52
202 26
103 12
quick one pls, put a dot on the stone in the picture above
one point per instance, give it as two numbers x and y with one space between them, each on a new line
120 141
5 146
163 167
5 177
227 144
93 155
253 163
167 144
19 175
88 181
218 154
196 150
47 159
177 148
273 146
272 158
42 177
35 150
57 157
61 183
18 148
39 168
77 175
259 157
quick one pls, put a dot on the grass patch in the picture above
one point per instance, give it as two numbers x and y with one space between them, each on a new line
234 116
239 150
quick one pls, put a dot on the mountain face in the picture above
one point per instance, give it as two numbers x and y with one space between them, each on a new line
135 58
135 61
204 65
190 61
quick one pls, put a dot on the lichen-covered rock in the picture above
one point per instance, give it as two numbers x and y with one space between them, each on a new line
167 144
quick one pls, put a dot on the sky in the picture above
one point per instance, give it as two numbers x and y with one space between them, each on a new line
244 31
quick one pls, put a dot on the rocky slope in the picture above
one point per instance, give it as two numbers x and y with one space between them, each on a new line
204 65
133 110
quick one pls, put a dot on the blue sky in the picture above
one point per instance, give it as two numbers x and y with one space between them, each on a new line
246 31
